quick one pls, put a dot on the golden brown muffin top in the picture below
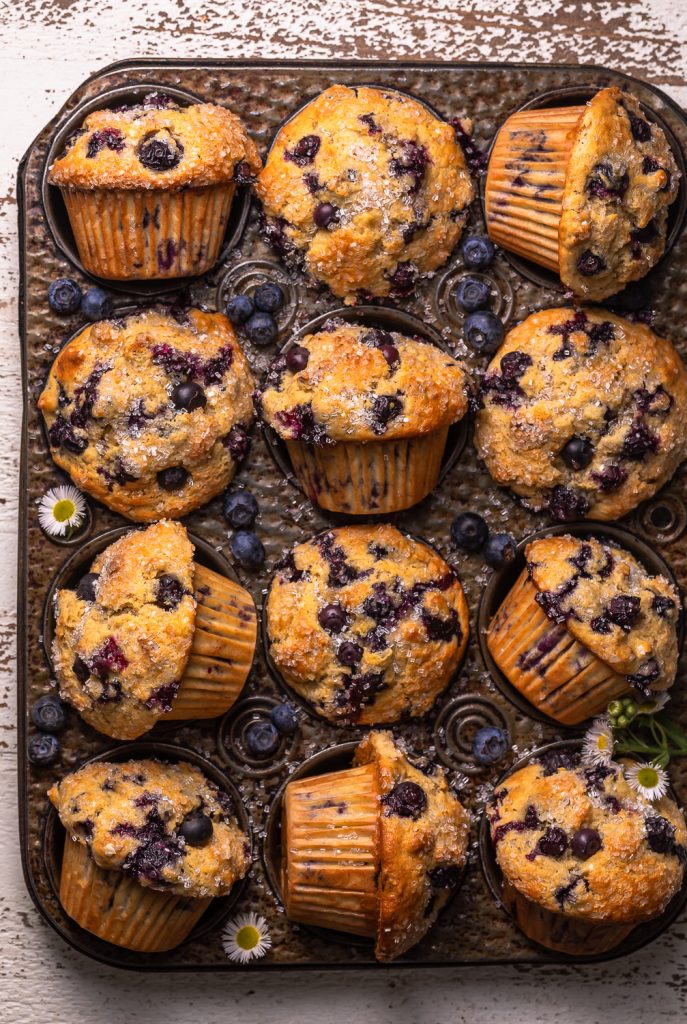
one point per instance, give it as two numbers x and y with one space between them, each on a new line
583 413
156 145
141 817
124 635
424 841
610 603
366 190
540 820
620 180
362 384
150 414
366 624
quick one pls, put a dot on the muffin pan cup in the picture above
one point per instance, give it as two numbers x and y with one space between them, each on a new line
472 928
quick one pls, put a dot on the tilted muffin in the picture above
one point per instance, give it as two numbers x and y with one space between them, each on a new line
148 846
366 190
582 413
585 858
366 624
584 622
396 844
148 633
365 414
148 188
584 191
150 414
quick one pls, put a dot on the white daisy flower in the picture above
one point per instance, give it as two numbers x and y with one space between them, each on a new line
246 938
597 746
652 704
649 780
61 510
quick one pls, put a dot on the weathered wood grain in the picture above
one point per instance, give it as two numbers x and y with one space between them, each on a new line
48 47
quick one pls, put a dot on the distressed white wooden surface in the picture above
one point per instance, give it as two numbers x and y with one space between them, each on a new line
48 47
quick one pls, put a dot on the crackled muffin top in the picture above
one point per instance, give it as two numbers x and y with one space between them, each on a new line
583 413
366 624
157 145
150 414
123 636
366 190
610 603
142 818
578 840
355 383
620 180
423 845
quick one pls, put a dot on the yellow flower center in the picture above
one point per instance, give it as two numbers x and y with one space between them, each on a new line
63 510
647 777
602 742
247 937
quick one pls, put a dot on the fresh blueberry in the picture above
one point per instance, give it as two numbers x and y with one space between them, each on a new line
478 252
196 829
285 718
268 297
96 304
247 549
85 590
262 738
240 509
239 308
489 745
173 478
483 331
469 532
261 329
499 550
577 453
64 296
43 749
297 358
189 396
48 714
332 618
585 843
472 293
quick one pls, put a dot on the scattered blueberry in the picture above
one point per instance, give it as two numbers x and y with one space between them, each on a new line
297 358
478 252
261 328
240 509
64 296
577 453
585 843
239 308
472 293
499 550
189 396
173 478
160 152
268 297
489 745
96 304
285 718
247 549
48 714
169 591
196 829
553 843
349 654
469 532
43 749
326 214
85 590
407 800
660 834
262 738
332 618
483 331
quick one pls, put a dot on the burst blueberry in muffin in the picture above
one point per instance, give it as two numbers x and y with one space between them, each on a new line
585 623
400 837
148 846
366 624
583 191
148 188
150 414
582 413
366 190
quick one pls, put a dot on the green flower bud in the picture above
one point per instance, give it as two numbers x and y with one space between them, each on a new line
623 721
615 708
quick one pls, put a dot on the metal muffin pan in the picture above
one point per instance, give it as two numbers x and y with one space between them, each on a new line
472 929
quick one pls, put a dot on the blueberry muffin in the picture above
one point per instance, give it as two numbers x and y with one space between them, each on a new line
584 858
582 413
365 414
401 839
150 414
148 188
584 622
583 191
366 190
366 624
148 633
148 846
